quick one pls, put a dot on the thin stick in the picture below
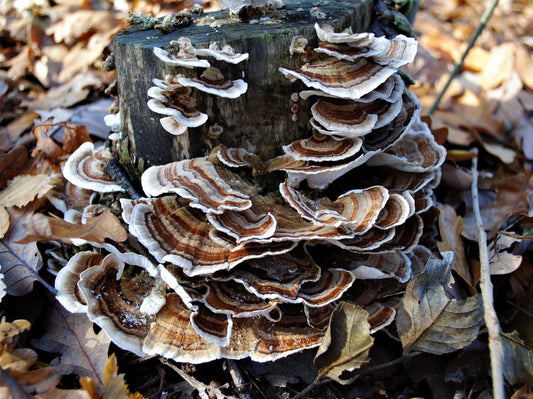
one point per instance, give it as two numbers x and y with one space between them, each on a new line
459 65
491 319
238 380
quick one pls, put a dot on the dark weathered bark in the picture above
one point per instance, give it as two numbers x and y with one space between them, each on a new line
260 120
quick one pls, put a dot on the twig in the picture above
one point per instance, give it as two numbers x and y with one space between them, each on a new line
491 319
311 386
459 65
238 381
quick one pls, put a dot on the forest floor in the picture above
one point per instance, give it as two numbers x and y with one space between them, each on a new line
50 53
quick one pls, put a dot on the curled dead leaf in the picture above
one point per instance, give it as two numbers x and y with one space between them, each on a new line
40 227
346 344
428 320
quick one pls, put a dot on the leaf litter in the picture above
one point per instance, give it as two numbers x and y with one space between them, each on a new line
49 61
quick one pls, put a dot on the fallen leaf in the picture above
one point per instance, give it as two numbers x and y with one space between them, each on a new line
500 65
517 359
501 200
428 320
11 163
506 155
10 133
20 262
450 228
9 332
20 191
346 343
72 336
40 227
76 24
23 189
69 93
46 145
526 392
74 136
500 260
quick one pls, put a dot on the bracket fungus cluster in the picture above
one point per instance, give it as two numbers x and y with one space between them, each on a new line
248 257
172 96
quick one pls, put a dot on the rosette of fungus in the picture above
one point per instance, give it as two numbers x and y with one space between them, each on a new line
252 255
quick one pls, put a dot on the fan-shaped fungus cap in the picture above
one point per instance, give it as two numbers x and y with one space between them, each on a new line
277 277
375 266
212 81
394 52
85 168
237 157
169 98
356 209
182 58
414 152
341 78
179 235
210 187
391 90
226 54
114 303
322 148
351 119
261 339
317 176
66 282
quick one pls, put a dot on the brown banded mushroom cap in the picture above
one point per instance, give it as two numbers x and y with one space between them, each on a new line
369 241
244 225
318 177
84 168
226 54
183 59
210 187
322 148
390 90
176 234
114 303
66 282
277 277
176 101
375 266
341 78
259 338
332 284
394 52
414 152
212 81
395 212
326 33
291 227
352 119
356 209
237 157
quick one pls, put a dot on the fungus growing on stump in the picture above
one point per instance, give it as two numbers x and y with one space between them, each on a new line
254 254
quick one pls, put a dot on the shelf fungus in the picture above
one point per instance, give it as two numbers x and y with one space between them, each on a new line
170 98
85 169
249 256
212 81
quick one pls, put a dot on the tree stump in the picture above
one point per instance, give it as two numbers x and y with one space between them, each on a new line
260 120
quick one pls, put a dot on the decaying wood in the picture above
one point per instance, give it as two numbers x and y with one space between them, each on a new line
260 120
